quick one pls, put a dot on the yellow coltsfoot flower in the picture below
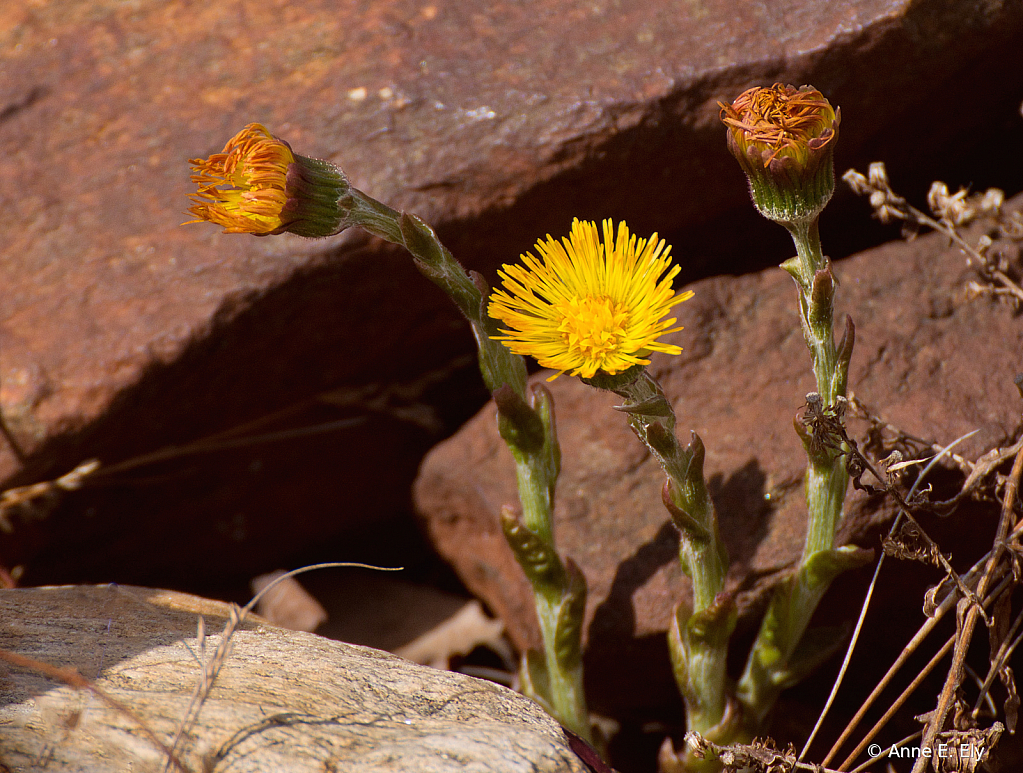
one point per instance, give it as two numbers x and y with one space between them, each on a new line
587 306
784 139
257 185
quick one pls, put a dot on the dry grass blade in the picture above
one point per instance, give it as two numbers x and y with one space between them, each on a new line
965 635
910 648
897 704
897 745
223 443
212 669
72 678
863 614
38 498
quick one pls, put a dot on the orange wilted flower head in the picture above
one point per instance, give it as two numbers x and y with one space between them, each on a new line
784 139
257 185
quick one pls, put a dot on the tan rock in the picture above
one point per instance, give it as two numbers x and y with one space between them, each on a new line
284 700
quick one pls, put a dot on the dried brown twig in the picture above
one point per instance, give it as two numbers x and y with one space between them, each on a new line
911 647
399 401
883 435
904 656
72 678
826 427
758 757
36 498
951 212
211 669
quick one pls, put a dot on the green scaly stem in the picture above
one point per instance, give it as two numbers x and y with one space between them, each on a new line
526 421
771 665
698 640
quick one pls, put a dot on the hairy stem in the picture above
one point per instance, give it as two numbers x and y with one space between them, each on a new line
526 422
772 664
700 631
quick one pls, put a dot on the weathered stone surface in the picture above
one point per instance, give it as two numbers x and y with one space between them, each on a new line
932 362
122 332
283 701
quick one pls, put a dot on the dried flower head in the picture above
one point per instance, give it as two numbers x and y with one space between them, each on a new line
887 204
588 306
784 138
257 185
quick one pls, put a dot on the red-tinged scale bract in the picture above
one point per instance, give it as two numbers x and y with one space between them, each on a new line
784 139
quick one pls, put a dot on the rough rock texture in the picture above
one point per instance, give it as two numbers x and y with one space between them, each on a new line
284 701
122 333
927 359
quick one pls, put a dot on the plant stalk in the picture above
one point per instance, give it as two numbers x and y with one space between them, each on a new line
526 422
698 639
774 663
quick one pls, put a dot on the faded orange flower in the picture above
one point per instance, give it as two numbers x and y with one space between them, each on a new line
257 185
784 139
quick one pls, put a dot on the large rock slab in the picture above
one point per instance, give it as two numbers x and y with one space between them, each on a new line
929 359
283 700
122 333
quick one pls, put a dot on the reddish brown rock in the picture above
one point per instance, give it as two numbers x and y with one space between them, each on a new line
122 332
929 360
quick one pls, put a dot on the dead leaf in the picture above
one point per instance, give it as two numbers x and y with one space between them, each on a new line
460 634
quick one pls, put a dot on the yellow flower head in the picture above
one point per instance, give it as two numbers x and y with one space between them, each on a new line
587 306
257 185
784 139
244 188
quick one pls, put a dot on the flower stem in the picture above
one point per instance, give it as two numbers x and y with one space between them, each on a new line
559 588
698 639
774 662
702 553
526 422
812 274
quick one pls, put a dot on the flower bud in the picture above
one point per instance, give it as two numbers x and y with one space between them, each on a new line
784 138
258 185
